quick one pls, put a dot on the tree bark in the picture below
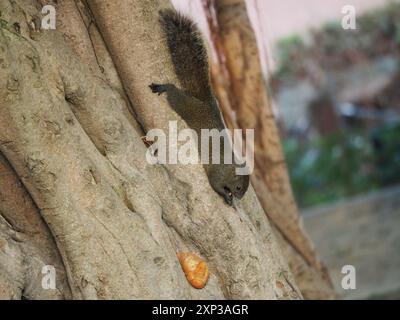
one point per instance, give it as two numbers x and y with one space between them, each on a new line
76 190
245 102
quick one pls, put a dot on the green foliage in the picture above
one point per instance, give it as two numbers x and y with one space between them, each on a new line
332 47
350 162
345 164
287 49
387 157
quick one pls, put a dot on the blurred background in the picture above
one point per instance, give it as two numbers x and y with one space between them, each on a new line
336 96
337 93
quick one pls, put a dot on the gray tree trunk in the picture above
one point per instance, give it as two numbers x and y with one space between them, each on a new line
76 191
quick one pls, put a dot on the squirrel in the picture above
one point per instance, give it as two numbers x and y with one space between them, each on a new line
196 103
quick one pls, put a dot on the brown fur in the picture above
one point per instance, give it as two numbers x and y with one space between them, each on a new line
195 102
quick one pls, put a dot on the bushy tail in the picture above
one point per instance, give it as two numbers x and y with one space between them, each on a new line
188 52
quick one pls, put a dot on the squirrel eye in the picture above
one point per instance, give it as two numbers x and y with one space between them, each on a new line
238 188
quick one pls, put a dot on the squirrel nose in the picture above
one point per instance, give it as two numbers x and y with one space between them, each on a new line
228 196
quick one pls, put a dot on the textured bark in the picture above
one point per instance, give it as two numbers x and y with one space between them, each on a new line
76 190
245 103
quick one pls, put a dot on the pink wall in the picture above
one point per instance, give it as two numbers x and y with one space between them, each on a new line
280 18
273 19
284 17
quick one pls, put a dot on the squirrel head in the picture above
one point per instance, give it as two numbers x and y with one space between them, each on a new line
235 188
227 184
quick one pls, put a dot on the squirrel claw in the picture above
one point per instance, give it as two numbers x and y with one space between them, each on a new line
157 88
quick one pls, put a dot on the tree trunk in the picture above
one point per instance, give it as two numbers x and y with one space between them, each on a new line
75 188
245 102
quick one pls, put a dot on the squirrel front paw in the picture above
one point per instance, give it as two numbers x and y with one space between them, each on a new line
157 88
